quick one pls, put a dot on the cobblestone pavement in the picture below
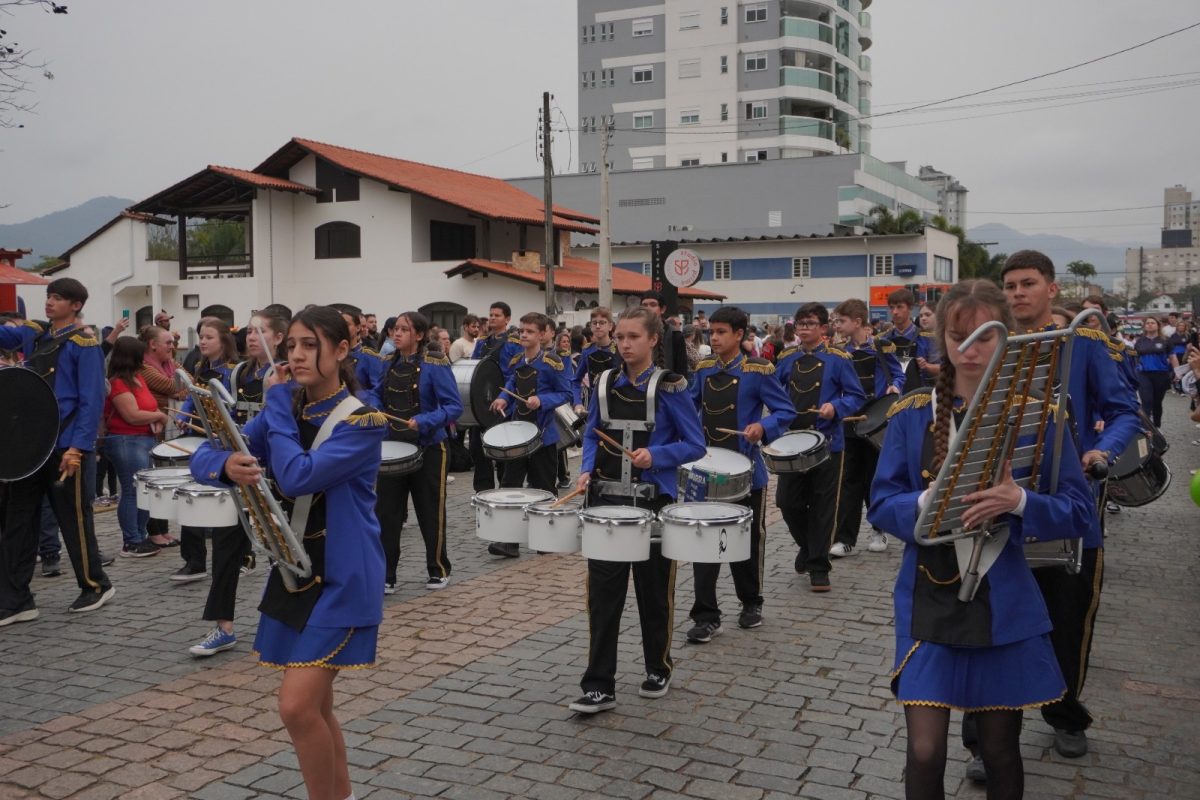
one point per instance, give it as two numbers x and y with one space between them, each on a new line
469 698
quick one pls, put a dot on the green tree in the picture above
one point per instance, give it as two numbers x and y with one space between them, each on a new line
1082 271
46 263
883 221
974 261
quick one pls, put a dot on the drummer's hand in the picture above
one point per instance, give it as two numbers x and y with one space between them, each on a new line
412 425
69 464
279 376
1091 456
533 402
498 405
754 432
642 458
580 410
989 503
242 469
1099 426
922 363
827 411
585 480
893 390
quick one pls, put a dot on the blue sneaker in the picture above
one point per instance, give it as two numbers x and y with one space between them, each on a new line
214 643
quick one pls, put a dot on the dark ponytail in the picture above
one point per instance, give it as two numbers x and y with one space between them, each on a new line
421 326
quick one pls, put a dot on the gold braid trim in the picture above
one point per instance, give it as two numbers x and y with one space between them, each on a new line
787 352
1092 333
917 399
706 363
323 662
553 360
28 323
837 351
367 418
896 672
977 709
441 361
85 341
765 368
673 383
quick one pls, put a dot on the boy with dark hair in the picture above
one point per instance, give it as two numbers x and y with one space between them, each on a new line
71 362
501 344
598 356
369 366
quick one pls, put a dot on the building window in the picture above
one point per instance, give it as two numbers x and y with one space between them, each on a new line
338 240
943 269
724 158
643 27
643 121
689 116
724 15
591 82
724 112
756 155
724 64
756 12
801 267
335 185
722 270
583 36
756 62
884 266
689 21
645 162
608 77
689 68
643 74
689 161
449 241
756 110
583 81
591 33
608 31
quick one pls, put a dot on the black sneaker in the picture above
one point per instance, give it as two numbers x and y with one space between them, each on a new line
1070 744
187 573
389 587
506 549
90 601
654 686
140 550
106 560
703 632
751 616
27 613
50 568
564 483
249 564
436 582
819 581
801 563
976 772
594 703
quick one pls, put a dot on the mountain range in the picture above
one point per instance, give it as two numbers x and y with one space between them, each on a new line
1108 259
56 232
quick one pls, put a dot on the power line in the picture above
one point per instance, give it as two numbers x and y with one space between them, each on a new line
1067 86
490 155
1078 211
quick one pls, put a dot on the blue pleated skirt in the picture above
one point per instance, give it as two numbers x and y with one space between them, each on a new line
281 647
1014 676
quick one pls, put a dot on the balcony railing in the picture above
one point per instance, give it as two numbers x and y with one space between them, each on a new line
864 63
864 29
806 29
802 76
232 265
806 126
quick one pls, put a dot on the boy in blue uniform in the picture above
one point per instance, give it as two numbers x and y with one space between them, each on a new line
69 359
501 345
598 356
369 366
880 374
730 391
824 389
906 336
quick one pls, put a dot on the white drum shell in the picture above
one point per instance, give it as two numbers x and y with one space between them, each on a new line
727 475
555 530
399 458
500 514
616 538
170 455
511 440
205 506
719 535
155 489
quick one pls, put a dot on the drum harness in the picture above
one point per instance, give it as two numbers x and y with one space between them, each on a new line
626 487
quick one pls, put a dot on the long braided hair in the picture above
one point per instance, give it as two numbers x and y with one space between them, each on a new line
962 301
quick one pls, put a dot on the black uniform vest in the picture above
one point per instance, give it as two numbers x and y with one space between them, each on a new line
47 349
864 362
402 397
525 378
804 387
718 406
625 402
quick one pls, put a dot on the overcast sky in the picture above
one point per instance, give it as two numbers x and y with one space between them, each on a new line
147 92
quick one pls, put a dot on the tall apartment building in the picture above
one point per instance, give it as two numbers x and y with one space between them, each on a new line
952 195
1181 218
712 81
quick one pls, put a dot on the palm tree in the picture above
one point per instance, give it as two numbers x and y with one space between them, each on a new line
1082 270
883 221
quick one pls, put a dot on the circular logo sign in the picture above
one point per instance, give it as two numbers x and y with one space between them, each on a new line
682 268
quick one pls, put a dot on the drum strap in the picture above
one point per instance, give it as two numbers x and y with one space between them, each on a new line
303 505
608 380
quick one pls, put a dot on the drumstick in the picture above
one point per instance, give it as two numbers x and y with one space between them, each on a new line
567 497
514 394
730 430
401 420
614 443
193 427
177 447
188 414
859 418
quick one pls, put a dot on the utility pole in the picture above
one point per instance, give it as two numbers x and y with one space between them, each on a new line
548 202
606 292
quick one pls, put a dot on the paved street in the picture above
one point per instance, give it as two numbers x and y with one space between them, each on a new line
469 698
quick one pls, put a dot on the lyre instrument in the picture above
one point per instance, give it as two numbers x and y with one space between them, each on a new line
262 517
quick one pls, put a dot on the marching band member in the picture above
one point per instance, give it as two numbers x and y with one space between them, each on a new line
992 654
69 359
730 391
676 439
540 379
419 387
824 389
600 355
368 365
928 358
905 335
880 374
321 446
501 344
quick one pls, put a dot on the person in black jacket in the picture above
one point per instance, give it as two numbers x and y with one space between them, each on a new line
671 351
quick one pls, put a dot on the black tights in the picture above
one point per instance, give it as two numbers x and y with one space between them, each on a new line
999 745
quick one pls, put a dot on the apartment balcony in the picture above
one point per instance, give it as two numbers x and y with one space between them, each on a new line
804 28
807 78
866 4
864 29
806 126
864 64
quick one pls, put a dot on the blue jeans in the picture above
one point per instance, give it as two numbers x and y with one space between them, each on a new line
129 454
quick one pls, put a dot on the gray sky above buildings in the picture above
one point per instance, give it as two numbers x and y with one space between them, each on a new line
147 92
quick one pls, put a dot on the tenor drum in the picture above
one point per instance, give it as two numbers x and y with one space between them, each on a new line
798 451
500 514
555 529
1139 475
707 533
509 441
169 455
156 489
479 383
569 426
205 506
720 475
875 425
616 533
400 458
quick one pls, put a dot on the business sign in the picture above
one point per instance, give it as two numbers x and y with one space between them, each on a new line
660 255
683 268
906 270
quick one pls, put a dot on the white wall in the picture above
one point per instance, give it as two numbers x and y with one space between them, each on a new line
707 43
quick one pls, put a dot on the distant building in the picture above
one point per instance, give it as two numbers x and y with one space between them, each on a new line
952 195
1181 218
1160 269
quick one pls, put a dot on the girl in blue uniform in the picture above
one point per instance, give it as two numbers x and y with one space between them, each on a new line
993 654
1154 368
316 440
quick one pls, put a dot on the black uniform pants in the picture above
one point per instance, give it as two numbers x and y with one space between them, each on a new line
607 588
861 460
747 575
230 546
810 505
540 470
72 504
427 487
485 468
192 548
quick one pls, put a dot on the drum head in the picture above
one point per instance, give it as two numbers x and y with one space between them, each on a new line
485 387
1132 458
512 498
704 512
721 461
398 451
194 489
606 513
876 413
547 507
796 443
165 450
510 434
28 422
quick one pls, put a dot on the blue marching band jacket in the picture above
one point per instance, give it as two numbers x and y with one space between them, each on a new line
594 360
876 365
205 372
420 387
544 376
369 368
501 346
814 378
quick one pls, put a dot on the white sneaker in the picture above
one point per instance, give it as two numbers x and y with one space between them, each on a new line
878 543
840 550
449 479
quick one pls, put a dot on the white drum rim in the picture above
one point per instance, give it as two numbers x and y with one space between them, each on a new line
596 516
166 482
167 449
738 516
531 433
143 474
481 498
197 489
712 459
542 508
816 436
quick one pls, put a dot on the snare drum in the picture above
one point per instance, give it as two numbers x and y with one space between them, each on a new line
720 475
1138 476
875 425
509 441
706 533
798 451
557 529
500 513
156 489
400 458
166 454
569 425
205 506
616 533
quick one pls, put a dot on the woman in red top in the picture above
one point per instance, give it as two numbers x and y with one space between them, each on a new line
131 415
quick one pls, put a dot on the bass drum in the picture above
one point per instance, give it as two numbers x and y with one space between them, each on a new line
479 382
28 422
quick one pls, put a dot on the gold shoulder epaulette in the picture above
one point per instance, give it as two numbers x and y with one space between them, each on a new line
673 382
436 358
366 417
553 360
1092 333
787 352
760 366
514 338
837 351
512 362
85 341
918 398
28 323
705 363
884 345
928 334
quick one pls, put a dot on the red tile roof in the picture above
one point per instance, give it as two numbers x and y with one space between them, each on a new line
262 181
488 197
576 274
10 275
